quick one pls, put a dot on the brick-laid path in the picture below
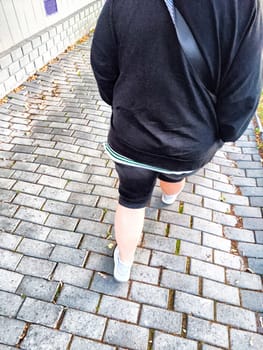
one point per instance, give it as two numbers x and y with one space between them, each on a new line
196 282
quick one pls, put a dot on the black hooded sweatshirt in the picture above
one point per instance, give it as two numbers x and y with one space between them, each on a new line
162 111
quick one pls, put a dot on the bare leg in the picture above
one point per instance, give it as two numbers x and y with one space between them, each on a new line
171 188
128 231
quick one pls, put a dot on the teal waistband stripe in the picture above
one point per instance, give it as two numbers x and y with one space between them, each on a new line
118 158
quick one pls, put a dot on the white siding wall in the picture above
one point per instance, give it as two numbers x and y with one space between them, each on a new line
29 39
21 19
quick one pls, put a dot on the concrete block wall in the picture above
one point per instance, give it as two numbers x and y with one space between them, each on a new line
18 63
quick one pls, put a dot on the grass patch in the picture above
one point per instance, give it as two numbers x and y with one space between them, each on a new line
178 246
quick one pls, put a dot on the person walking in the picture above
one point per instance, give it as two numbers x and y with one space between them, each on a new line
182 77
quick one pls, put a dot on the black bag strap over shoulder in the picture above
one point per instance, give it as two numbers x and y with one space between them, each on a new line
188 43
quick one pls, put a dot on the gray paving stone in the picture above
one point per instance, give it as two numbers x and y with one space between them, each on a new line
6 183
10 330
168 261
106 284
179 281
256 201
54 193
9 260
252 191
7 209
253 223
216 242
241 340
32 230
251 250
198 211
9 304
35 267
164 320
245 211
239 234
207 192
151 226
254 173
57 207
9 241
207 226
228 260
236 317
194 305
235 199
68 255
209 347
256 265
143 273
208 270
240 181
6 195
73 275
42 338
8 224
35 248
76 176
83 198
96 244
78 298
119 309
25 176
216 175
100 263
125 335
225 188
37 311
243 279
207 331
185 234
142 256
175 218
171 342
31 215
50 170
159 243
220 292
9 280
93 227
85 344
259 237
83 324
88 213
252 300
63 237
148 294
37 288
217 205
23 186
79 192
225 219
60 222
6 347
195 251
52 181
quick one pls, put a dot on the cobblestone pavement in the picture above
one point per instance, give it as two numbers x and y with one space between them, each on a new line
196 283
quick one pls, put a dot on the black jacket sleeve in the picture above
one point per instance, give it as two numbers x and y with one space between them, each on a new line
104 55
240 92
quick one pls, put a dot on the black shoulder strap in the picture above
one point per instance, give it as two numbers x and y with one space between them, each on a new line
188 42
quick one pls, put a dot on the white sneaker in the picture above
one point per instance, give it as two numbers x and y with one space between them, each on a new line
169 198
122 270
